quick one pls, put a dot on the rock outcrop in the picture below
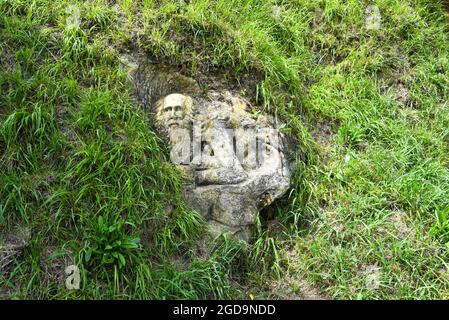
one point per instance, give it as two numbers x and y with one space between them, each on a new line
233 157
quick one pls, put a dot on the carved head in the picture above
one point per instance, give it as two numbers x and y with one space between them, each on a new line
173 111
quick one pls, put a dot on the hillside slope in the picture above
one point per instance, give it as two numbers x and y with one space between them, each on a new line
84 180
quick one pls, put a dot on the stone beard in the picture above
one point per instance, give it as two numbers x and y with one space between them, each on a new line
234 163
174 112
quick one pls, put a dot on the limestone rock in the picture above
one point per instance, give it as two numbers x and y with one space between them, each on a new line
233 157
233 160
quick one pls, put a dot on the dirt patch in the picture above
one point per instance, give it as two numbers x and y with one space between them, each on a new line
372 275
7 257
8 65
54 263
399 222
12 245
401 93
323 133
293 285
395 79
292 288
7 60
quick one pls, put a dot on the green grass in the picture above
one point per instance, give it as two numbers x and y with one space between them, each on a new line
81 169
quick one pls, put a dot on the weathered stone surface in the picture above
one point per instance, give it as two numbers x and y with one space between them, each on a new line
233 160
233 157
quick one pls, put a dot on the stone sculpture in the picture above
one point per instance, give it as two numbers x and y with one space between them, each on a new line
233 160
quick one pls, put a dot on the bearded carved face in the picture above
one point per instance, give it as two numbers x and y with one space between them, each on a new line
173 111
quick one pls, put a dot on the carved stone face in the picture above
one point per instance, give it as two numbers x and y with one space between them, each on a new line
173 110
